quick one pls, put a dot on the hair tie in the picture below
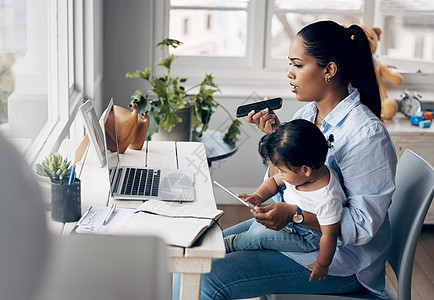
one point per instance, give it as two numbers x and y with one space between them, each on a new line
350 32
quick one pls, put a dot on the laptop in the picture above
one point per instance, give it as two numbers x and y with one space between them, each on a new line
138 182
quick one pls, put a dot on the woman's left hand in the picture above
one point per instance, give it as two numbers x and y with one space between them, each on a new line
274 216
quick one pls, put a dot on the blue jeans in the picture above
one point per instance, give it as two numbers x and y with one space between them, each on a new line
292 238
248 274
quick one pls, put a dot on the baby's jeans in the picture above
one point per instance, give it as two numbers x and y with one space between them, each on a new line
292 238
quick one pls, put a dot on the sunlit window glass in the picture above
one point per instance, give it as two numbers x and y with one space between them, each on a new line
289 16
408 32
213 28
12 47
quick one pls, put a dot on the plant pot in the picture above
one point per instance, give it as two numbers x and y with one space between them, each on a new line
66 202
45 187
181 131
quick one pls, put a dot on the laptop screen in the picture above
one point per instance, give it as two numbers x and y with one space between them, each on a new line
111 141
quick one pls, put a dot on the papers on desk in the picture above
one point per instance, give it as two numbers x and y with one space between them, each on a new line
93 220
177 224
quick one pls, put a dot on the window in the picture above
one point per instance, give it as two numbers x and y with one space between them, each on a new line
289 16
408 34
65 78
245 43
218 28
51 81
13 47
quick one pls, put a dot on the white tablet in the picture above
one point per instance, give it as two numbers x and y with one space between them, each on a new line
250 205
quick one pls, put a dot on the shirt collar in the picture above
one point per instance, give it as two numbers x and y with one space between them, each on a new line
339 112
344 107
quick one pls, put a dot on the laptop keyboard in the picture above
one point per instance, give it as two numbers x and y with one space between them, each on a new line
141 182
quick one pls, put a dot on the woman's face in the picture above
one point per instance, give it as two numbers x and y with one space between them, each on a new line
307 79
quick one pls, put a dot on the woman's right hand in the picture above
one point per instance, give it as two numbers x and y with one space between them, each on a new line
267 121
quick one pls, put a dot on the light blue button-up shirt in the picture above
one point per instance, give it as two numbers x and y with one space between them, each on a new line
365 160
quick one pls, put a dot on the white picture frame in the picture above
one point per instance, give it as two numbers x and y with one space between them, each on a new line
93 130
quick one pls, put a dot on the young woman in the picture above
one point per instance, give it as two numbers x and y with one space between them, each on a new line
331 70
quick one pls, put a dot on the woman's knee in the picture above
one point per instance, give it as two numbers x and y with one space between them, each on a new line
211 288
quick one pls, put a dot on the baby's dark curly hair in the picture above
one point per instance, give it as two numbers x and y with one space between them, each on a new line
295 144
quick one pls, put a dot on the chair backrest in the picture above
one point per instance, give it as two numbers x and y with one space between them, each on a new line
23 230
410 204
107 268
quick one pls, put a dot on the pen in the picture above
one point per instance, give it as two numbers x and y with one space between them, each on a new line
72 177
84 216
71 181
109 213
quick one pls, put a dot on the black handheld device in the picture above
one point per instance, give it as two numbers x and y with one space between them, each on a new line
271 104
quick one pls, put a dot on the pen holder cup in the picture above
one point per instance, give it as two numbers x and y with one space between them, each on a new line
66 202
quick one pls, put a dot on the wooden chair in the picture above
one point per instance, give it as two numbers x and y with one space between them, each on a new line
410 204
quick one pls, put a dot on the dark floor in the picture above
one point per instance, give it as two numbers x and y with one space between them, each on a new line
423 269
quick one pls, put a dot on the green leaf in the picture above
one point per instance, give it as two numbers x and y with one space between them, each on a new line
169 42
231 135
153 124
168 117
209 80
159 88
139 74
166 62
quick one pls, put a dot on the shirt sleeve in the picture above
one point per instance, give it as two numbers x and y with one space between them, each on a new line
330 212
368 168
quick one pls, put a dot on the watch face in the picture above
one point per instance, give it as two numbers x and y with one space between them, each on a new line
410 106
297 218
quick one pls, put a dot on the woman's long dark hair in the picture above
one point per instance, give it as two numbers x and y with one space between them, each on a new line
349 48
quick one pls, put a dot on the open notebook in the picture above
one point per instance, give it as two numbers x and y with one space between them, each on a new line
177 224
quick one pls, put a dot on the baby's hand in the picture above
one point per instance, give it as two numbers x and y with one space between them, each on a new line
318 272
254 199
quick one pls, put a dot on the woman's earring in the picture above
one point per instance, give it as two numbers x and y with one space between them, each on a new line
327 79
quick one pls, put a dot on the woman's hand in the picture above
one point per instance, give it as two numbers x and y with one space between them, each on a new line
318 272
254 199
275 216
266 120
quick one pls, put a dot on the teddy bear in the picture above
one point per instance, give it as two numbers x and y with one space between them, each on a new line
389 105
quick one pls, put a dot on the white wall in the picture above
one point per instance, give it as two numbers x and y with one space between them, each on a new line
127 41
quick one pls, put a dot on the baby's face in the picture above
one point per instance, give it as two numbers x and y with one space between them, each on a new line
294 177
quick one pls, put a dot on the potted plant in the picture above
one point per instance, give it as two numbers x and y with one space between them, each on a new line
167 97
54 168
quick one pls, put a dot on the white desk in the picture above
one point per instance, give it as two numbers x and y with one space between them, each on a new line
190 262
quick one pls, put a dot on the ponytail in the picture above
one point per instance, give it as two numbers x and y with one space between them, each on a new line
349 48
364 77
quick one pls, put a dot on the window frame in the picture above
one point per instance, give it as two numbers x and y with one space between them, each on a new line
66 69
244 66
